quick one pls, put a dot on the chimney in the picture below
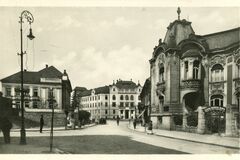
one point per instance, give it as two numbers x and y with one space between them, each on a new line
131 79
46 66
64 72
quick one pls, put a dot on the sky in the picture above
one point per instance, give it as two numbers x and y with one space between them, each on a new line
97 45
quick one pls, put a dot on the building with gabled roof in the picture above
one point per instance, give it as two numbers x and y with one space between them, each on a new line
118 99
39 85
195 80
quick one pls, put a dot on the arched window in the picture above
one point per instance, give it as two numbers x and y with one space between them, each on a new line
185 69
132 98
217 73
126 97
114 97
217 100
195 69
161 73
121 97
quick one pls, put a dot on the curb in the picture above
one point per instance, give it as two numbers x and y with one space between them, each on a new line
188 140
49 129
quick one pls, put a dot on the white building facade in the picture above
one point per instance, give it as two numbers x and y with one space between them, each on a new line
120 99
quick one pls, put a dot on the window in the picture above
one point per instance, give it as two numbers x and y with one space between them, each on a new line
121 111
217 73
121 104
114 97
161 73
106 111
195 69
18 105
8 91
132 111
35 92
127 104
217 100
106 97
114 104
121 97
17 91
126 97
26 104
106 104
35 104
113 111
238 100
98 97
132 104
166 108
185 69
113 89
132 98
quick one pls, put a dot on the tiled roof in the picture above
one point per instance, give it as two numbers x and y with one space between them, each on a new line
99 90
223 39
33 77
125 84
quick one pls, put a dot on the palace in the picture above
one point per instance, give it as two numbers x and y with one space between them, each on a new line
119 99
195 80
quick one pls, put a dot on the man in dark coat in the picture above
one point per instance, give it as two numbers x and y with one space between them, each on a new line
134 123
6 126
118 120
41 123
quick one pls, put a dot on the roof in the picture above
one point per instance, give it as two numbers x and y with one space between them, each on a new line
177 31
223 39
146 90
33 77
99 90
126 84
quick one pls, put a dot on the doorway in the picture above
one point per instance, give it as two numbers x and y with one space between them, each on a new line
126 114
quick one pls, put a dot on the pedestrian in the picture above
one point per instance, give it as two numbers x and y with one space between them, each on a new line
41 123
134 123
118 120
150 128
6 126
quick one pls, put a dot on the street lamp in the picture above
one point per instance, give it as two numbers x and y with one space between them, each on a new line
27 15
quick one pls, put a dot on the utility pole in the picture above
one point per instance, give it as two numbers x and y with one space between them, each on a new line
51 104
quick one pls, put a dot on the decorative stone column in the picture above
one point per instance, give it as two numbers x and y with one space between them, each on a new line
201 120
190 69
184 123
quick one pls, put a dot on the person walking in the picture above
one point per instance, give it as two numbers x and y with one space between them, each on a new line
6 126
134 123
150 128
41 123
118 120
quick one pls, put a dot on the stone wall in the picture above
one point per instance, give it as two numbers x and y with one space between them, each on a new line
59 118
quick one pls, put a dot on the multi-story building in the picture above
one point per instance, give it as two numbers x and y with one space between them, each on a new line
145 105
38 87
120 99
196 80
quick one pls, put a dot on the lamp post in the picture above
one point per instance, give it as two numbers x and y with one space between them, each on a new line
27 15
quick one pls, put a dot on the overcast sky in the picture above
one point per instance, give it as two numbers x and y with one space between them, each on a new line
98 45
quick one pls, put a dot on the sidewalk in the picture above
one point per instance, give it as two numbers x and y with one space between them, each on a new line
228 142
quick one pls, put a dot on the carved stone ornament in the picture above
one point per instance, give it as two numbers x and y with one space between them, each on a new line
218 60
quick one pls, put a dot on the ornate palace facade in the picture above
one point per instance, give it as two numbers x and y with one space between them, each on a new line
196 80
